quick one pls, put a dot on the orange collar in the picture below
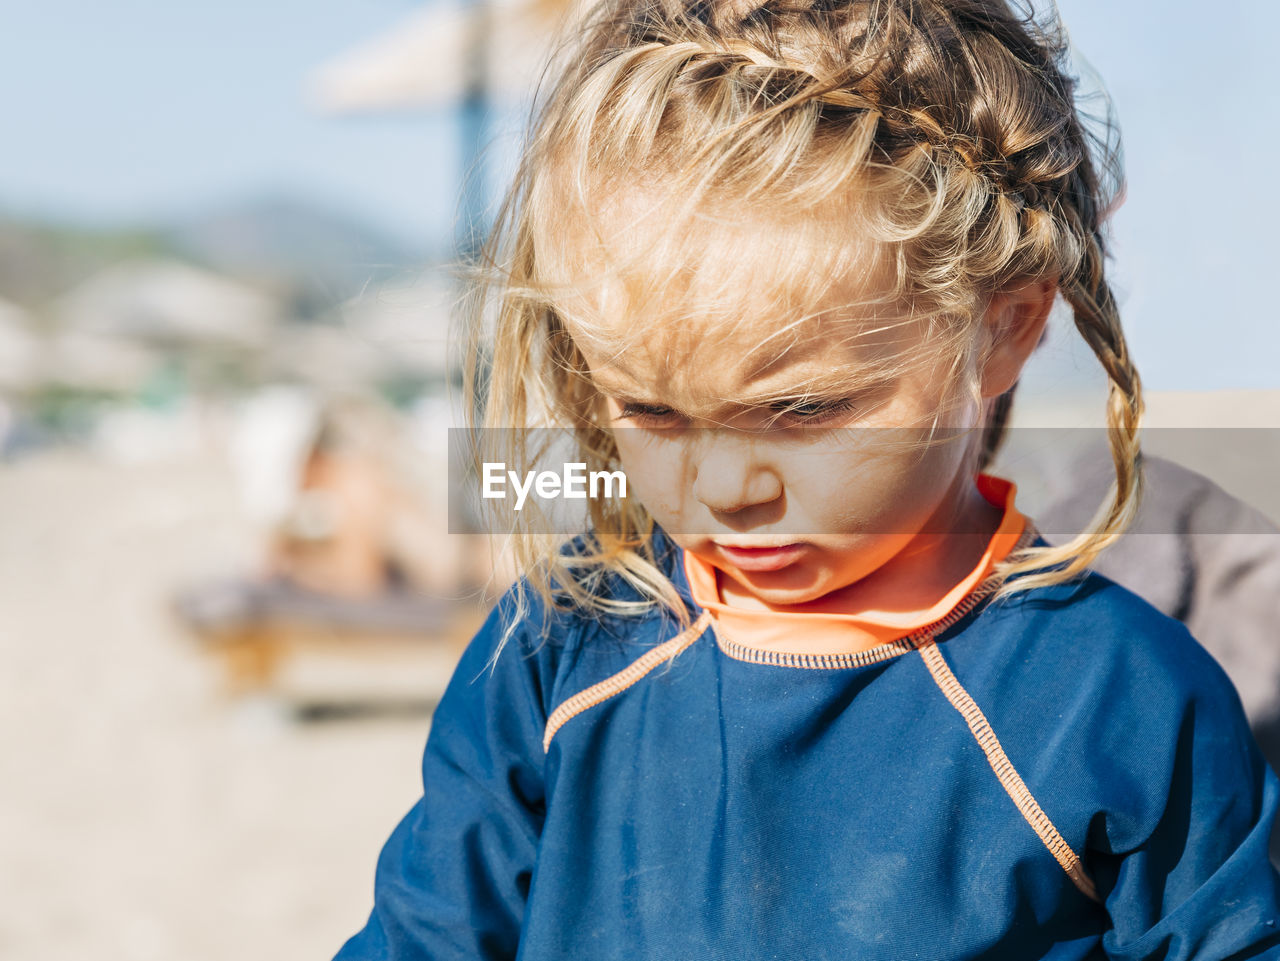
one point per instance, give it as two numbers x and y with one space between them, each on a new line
844 632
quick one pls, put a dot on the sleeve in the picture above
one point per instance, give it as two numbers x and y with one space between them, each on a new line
451 881
1185 870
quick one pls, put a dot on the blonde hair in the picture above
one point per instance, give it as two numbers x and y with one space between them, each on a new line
943 132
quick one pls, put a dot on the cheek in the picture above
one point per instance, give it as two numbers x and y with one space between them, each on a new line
906 477
655 470
927 479
884 483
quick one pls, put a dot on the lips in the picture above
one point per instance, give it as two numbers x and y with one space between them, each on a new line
761 559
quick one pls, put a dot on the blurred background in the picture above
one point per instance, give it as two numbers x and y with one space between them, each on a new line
228 594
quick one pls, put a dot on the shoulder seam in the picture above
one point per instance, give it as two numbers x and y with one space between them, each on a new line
1004 770
617 683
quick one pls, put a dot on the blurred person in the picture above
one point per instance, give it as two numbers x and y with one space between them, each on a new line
368 513
335 538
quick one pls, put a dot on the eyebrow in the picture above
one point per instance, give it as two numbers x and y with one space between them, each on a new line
820 389
612 386
835 390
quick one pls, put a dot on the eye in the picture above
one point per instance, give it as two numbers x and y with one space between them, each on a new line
649 415
812 412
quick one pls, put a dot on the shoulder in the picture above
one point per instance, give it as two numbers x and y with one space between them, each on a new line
552 648
1095 628
1105 705
1092 668
1098 673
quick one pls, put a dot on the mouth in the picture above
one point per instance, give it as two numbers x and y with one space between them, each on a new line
760 559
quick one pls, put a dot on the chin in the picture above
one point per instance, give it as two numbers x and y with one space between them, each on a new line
775 590
789 598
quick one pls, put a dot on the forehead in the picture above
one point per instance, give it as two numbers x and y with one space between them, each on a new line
703 376
730 300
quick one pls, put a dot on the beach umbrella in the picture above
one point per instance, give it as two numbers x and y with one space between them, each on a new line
442 56
470 59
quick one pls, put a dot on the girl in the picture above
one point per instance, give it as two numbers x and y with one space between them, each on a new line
814 689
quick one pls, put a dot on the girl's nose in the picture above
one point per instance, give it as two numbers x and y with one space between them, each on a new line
731 478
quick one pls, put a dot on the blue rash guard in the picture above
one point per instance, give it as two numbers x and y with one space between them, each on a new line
1063 774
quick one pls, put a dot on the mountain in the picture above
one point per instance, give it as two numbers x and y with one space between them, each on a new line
296 247
307 256
39 261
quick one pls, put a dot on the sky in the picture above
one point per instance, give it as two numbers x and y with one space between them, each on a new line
145 111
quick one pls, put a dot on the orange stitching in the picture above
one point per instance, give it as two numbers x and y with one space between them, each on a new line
617 683
1005 772
756 655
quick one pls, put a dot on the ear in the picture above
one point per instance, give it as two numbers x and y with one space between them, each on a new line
1015 321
